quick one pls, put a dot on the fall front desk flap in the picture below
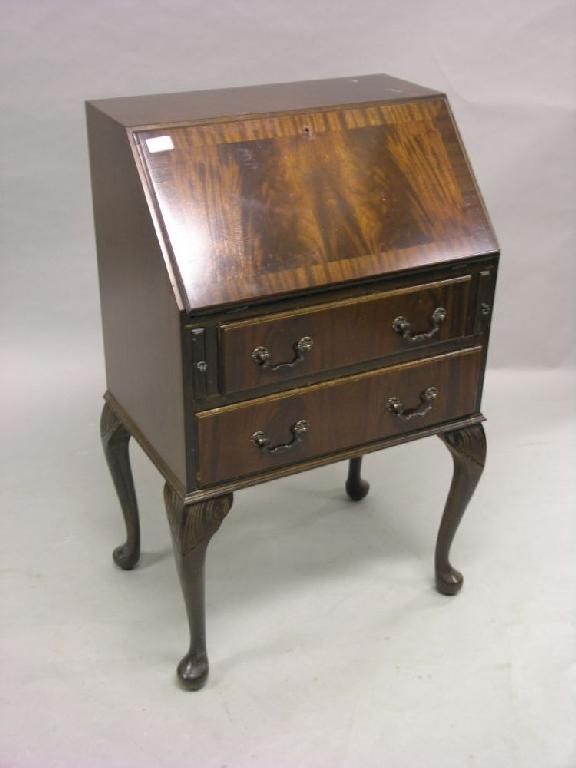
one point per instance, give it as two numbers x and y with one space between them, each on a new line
266 205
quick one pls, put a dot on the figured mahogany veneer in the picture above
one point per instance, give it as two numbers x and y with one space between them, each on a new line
340 413
343 333
290 275
265 206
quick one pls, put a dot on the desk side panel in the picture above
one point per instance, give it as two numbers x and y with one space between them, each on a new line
140 316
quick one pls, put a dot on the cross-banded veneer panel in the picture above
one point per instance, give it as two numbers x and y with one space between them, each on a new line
288 202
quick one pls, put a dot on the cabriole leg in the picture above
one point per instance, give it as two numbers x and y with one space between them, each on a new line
115 439
468 449
356 487
192 526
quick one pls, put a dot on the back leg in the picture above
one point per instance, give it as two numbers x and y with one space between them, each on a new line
356 487
115 440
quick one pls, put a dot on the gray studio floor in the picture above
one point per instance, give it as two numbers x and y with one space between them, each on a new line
329 646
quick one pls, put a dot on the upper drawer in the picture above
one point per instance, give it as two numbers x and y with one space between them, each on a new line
283 346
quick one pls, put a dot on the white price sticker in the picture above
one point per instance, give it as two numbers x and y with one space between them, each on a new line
159 144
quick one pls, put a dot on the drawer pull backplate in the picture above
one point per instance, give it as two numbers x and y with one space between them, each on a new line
404 328
263 357
298 430
427 397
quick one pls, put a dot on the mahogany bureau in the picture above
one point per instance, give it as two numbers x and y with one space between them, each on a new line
291 275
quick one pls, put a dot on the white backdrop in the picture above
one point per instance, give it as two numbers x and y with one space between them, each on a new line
509 69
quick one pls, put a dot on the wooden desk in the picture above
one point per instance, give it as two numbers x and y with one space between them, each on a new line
291 275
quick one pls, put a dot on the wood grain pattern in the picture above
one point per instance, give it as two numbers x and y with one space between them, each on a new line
209 492
343 333
268 206
341 413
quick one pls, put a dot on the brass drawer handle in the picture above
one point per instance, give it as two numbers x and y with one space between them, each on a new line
404 328
263 357
298 431
427 397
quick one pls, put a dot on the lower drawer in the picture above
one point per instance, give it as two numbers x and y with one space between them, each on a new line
257 436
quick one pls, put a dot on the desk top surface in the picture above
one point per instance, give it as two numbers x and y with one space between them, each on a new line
199 106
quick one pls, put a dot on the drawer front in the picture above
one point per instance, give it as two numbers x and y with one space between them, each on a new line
275 348
259 435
